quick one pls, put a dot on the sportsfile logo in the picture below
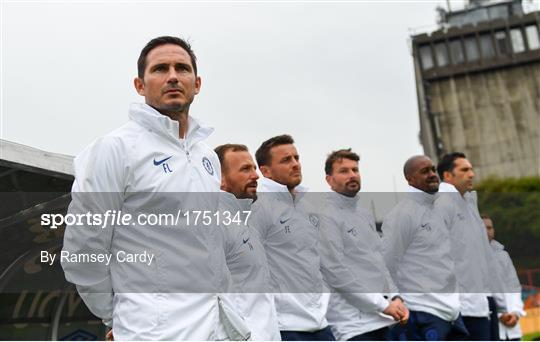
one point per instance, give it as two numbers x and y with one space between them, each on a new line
113 218
162 162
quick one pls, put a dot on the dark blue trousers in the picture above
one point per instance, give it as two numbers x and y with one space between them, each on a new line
319 335
423 326
493 319
382 334
479 328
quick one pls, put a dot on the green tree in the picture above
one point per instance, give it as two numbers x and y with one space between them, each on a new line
514 206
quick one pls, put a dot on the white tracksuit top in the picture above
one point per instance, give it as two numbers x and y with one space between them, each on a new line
250 276
512 290
352 259
289 232
416 248
141 165
495 279
475 269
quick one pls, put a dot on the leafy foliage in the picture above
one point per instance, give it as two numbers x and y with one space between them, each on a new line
514 206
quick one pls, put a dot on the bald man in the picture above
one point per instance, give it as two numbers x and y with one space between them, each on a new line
417 253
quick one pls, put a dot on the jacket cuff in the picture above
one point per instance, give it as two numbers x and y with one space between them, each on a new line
382 303
108 322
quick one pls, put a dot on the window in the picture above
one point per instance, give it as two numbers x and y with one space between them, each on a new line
501 42
532 37
425 57
441 54
518 45
472 49
477 15
456 51
500 11
486 46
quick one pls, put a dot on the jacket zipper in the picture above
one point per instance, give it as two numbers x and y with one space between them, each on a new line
187 152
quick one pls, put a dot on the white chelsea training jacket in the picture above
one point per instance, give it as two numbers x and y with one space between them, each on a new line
289 231
417 252
145 168
353 263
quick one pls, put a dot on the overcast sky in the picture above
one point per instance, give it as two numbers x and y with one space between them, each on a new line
331 74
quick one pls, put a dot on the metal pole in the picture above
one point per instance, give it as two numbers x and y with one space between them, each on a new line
55 323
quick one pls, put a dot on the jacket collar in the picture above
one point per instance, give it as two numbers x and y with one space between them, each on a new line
447 187
343 201
282 192
237 203
497 245
151 119
470 197
420 196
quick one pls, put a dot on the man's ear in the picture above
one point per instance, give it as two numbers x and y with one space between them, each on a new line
223 183
139 85
329 180
446 175
198 83
408 179
266 171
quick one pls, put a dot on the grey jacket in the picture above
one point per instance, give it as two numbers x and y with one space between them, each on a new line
512 289
475 269
247 263
353 266
289 232
417 253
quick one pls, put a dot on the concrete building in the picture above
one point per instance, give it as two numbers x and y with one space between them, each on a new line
478 86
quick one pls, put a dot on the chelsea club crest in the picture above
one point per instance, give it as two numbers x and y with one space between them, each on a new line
208 166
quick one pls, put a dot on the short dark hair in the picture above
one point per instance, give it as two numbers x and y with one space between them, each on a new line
221 150
485 216
263 156
447 163
338 155
164 40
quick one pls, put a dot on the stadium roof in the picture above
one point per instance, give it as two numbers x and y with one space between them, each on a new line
15 156
33 182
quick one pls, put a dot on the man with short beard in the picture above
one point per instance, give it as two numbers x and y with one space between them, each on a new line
352 259
417 254
244 252
155 163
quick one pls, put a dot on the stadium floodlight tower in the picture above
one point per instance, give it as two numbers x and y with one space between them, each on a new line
478 87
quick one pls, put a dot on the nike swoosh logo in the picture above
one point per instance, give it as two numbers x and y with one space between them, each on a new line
283 221
245 240
350 231
424 224
159 162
